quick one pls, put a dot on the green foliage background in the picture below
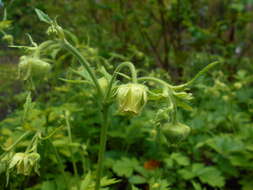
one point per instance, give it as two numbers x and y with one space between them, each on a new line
172 39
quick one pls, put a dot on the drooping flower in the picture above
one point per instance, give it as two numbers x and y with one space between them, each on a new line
131 98
29 66
25 163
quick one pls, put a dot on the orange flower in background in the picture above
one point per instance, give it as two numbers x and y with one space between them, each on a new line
151 164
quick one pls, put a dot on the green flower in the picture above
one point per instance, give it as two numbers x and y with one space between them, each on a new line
131 98
25 162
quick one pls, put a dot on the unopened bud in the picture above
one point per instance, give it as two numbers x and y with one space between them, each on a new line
175 132
131 98
103 83
8 38
33 67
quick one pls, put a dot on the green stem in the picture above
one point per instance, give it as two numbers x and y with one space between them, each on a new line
103 138
59 161
19 139
85 63
158 81
116 72
70 140
200 73
158 137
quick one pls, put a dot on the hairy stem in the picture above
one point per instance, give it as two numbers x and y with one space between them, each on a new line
103 138
200 73
116 72
85 63
70 140
157 81
19 139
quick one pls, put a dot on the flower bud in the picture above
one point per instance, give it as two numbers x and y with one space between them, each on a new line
55 31
131 98
24 162
8 38
175 132
103 83
33 67
238 85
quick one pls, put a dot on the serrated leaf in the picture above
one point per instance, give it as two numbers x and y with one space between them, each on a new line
212 176
105 181
180 159
134 188
48 185
225 144
186 174
5 24
86 182
196 185
184 105
137 179
125 167
43 17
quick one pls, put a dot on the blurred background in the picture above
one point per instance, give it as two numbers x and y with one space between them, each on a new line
171 39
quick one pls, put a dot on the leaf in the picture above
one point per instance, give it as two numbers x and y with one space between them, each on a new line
247 182
86 182
159 184
180 159
134 188
196 185
105 181
225 145
125 167
212 176
184 105
48 185
186 174
207 174
43 17
137 179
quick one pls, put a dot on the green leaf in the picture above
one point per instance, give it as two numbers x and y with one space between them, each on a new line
87 181
212 176
43 17
186 174
137 179
180 159
207 174
105 181
125 167
225 145
196 185
184 105
48 185
247 182
159 184
134 188
5 24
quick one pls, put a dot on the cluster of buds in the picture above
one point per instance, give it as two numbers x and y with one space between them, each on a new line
131 99
25 163
55 31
